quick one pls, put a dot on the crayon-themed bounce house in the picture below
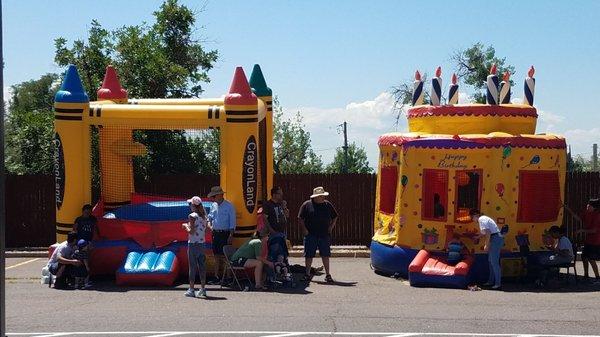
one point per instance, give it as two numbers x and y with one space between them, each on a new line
458 157
140 236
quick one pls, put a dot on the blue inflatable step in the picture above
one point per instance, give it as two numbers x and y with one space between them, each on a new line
148 268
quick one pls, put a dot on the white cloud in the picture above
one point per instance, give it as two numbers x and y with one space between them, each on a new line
367 120
516 100
581 140
548 121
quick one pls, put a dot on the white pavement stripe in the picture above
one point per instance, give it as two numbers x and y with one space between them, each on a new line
278 333
20 264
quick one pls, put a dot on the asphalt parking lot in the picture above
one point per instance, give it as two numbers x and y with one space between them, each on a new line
361 303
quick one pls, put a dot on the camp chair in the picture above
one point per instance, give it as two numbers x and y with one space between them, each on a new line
228 252
568 266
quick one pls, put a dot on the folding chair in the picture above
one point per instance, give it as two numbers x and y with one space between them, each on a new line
228 252
568 266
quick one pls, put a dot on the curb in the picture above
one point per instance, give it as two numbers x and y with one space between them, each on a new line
294 252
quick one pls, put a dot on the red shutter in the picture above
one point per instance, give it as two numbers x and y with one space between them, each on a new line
388 183
539 196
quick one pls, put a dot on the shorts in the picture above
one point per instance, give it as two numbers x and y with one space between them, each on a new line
196 259
590 252
220 239
312 242
240 262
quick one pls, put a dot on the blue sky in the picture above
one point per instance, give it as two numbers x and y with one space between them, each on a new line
336 60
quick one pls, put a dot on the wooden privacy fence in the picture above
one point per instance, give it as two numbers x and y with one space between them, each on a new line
30 213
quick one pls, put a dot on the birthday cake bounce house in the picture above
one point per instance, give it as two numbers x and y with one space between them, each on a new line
140 239
459 157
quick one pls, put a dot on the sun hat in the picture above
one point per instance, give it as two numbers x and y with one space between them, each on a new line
215 190
195 200
319 191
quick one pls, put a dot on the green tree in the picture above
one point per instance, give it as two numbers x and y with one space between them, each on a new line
473 66
162 60
29 127
357 160
292 146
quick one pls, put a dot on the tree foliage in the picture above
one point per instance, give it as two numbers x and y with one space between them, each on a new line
29 128
292 146
162 60
473 66
356 163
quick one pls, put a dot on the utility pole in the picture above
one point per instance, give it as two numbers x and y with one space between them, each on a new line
2 195
595 158
345 147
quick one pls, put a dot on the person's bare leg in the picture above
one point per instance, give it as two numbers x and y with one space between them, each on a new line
586 268
308 263
258 269
595 268
326 264
61 270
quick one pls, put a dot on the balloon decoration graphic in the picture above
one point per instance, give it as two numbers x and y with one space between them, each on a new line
404 182
463 178
506 151
500 191
534 161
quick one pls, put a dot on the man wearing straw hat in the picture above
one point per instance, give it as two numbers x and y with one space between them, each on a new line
222 223
317 217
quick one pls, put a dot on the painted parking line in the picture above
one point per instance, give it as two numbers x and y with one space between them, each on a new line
22 263
277 334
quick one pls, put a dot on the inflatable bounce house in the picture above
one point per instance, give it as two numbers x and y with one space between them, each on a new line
458 157
140 236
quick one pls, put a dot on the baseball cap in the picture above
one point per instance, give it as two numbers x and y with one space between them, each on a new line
195 200
82 243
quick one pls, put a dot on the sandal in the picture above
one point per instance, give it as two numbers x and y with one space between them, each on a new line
328 278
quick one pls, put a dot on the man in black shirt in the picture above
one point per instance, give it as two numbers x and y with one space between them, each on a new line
317 217
86 225
276 212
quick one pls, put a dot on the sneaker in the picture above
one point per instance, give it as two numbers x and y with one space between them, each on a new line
190 293
201 294
328 278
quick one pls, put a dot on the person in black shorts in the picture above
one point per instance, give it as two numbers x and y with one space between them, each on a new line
317 218
221 219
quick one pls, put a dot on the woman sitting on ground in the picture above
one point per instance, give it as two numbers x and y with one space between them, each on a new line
249 256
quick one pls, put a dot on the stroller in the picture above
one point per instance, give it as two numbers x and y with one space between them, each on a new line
278 254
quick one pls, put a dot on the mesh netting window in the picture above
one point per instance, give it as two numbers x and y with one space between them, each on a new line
468 193
388 184
539 196
435 196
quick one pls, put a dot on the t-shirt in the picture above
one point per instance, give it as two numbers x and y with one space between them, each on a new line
63 250
196 235
487 224
317 217
85 227
249 250
565 244
592 221
80 255
275 215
